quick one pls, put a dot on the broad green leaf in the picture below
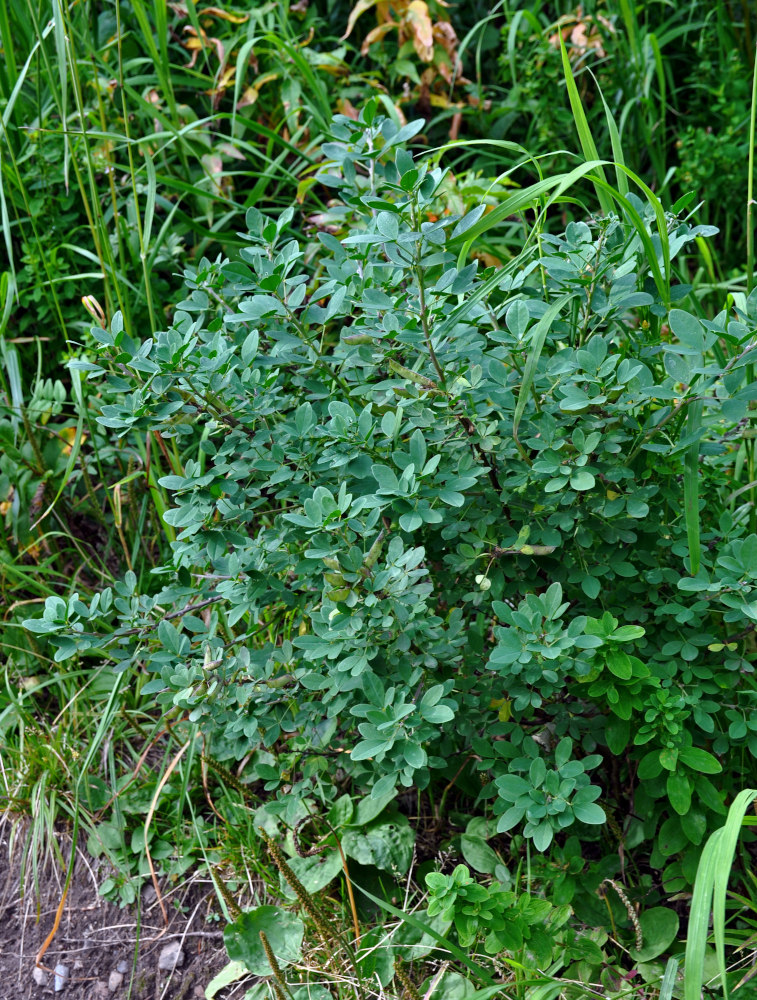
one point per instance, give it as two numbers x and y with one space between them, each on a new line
478 854
387 844
589 812
700 760
659 928
315 873
679 792
283 929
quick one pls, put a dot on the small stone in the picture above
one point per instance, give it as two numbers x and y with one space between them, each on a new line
123 968
171 957
39 976
114 981
101 990
199 991
149 895
61 978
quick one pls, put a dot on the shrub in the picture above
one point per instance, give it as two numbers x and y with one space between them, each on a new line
428 518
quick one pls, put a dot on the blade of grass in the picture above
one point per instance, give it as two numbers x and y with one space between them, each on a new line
8 66
750 188
243 58
585 137
528 197
7 294
512 39
62 52
691 486
538 339
662 275
710 887
617 148
728 842
554 187
699 919
10 359
160 61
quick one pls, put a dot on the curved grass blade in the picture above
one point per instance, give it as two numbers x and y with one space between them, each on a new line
710 888
582 127
75 447
617 148
691 485
539 338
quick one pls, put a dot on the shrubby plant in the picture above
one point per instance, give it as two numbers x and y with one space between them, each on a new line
505 920
437 525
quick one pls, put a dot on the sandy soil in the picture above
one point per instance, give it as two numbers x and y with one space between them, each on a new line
99 942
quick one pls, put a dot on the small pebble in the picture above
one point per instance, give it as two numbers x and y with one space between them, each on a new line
61 978
101 990
39 976
171 957
114 981
122 967
199 991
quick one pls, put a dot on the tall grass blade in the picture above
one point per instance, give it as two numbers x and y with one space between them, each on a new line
710 889
61 48
554 187
661 275
750 187
21 78
13 371
243 58
538 339
691 485
7 294
617 148
699 919
585 137
159 58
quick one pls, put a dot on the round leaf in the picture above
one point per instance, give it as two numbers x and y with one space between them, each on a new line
659 928
582 480
284 931
315 873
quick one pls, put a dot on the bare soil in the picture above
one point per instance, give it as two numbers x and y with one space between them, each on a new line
95 938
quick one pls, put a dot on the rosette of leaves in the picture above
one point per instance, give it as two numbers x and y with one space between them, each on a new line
505 920
549 799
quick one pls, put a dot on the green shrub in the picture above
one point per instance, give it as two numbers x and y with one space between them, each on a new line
427 515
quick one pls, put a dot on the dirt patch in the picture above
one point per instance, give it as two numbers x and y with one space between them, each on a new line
108 952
